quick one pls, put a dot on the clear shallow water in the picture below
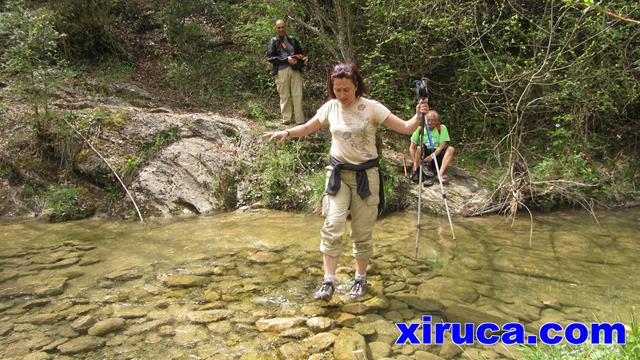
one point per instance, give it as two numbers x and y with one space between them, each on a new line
581 270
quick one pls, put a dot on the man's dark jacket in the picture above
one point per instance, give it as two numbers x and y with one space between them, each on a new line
276 57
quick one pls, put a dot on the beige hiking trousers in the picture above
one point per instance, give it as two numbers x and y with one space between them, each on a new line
363 215
289 86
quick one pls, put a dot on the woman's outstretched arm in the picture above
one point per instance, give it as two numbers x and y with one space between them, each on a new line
301 130
407 127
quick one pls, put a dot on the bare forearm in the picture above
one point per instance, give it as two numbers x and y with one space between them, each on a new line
305 129
407 127
297 131
412 124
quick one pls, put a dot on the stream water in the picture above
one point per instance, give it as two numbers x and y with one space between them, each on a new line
239 285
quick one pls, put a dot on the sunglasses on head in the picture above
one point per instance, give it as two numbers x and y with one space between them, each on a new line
340 68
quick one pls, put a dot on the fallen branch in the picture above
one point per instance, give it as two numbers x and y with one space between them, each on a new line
570 182
109 165
610 14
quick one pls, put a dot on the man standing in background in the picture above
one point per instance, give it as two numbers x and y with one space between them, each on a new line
288 59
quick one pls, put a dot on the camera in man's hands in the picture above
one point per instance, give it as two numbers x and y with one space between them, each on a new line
299 63
421 89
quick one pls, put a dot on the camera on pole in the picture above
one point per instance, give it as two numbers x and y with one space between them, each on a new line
422 92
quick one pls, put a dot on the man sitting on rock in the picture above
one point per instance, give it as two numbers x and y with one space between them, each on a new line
444 153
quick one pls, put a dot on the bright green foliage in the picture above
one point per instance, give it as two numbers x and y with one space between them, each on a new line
281 177
548 88
90 28
316 182
535 79
62 202
30 55
394 189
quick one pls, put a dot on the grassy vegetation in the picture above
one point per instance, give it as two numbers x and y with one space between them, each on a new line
628 351
508 109
63 203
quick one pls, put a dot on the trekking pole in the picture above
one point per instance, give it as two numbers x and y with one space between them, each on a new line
422 93
444 195
421 133
421 89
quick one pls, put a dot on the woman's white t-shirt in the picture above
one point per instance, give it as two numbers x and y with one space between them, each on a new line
353 128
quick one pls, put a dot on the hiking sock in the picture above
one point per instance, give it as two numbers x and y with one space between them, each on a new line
330 278
360 276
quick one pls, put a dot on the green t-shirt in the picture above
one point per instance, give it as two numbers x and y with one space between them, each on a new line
436 136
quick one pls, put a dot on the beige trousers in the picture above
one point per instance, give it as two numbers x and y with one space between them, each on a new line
289 86
363 215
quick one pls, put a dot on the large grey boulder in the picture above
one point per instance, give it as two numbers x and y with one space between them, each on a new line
192 174
462 192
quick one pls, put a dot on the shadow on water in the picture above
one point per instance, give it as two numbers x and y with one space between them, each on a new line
240 284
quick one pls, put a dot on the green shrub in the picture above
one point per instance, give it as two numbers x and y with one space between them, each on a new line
63 141
281 176
256 111
6 171
63 203
114 69
30 54
89 27
394 188
316 182
225 189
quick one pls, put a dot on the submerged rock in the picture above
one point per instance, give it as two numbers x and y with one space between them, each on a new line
319 324
42 319
462 314
145 327
377 303
83 323
123 275
40 355
171 280
320 342
81 344
204 317
355 308
106 326
8 275
349 345
5 329
379 349
265 257
420 303
279 324
189 335
128 312
296 333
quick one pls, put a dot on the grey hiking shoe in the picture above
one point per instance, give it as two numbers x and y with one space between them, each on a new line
428 182
359 288
325 291
429 171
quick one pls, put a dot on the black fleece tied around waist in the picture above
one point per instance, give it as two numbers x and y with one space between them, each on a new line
362 180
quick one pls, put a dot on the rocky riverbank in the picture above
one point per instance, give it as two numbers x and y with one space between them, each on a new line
173 162
236 304
240 285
